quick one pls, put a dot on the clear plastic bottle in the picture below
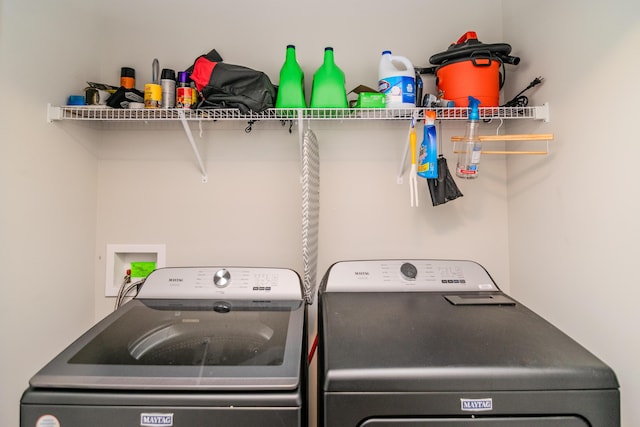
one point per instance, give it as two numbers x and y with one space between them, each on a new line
469 154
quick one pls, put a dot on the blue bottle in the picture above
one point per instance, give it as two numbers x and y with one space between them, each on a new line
428 158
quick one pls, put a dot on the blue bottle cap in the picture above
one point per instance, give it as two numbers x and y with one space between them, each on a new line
76 100
474 114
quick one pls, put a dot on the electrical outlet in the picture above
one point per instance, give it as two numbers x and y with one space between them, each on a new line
120 257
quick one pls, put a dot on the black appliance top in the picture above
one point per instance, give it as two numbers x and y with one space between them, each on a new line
428 325
250 340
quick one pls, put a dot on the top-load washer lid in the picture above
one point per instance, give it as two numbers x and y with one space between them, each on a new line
437 325
188 330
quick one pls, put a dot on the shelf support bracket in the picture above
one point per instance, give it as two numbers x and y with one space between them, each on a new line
542 112
300 120
53 113
194 147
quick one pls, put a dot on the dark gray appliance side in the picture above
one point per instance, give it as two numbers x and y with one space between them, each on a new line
419 355
116 389
579 408
81 408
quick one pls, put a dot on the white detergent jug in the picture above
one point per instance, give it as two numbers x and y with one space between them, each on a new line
398 84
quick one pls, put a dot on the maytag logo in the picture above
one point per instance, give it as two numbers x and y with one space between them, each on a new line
476 404
156 420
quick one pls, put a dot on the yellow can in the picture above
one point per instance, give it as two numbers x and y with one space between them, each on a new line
152 95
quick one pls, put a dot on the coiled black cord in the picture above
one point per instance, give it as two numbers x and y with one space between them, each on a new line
520 100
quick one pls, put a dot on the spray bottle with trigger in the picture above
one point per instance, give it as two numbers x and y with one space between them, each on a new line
428 157
469 154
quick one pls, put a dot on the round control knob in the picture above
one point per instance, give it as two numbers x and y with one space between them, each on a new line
408 271
222 278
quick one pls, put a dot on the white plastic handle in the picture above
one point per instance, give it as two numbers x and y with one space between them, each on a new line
404 61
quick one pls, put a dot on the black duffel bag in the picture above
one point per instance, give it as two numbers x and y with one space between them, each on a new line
223 85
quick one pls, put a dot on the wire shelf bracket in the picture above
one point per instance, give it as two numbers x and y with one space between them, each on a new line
194 147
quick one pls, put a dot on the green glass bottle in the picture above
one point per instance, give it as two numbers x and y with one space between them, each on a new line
291 86
328 89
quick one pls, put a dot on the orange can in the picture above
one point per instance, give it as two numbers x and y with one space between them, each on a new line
127 77
184 97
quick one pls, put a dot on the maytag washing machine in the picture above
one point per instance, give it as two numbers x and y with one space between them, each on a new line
435 343
208 346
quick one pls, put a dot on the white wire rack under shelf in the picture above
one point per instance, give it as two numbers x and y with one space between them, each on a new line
101 113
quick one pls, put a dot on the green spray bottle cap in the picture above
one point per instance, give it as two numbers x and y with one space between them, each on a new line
473 105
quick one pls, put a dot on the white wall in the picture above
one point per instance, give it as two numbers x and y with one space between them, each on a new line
47 190
573 216
68 190
253 182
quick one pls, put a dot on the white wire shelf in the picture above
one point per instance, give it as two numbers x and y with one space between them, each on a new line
174 114
184 116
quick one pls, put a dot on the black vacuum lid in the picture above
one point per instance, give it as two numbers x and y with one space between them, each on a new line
469 46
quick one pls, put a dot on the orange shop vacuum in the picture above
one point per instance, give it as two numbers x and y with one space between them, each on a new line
471 68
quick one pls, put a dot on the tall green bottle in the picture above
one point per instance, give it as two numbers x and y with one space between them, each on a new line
328 89
291 86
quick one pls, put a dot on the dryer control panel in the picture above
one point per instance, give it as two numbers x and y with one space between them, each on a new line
222 282
408 275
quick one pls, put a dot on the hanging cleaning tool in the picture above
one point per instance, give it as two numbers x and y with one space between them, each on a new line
469 154
291 86
413 175
428 158
443 188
